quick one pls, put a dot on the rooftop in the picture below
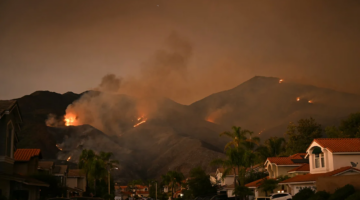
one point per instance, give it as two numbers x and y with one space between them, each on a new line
26 154
302 168
296 159
340 144
314 177
6 105
256 183
75 173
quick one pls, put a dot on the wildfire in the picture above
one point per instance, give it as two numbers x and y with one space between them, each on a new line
298 99
310 101
70 119
281 80
140 120
68 158
58 146
210 120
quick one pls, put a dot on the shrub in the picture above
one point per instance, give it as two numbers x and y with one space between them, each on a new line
304 194
355 196
321 195
343 192
2 197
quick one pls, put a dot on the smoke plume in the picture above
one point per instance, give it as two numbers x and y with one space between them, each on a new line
118 102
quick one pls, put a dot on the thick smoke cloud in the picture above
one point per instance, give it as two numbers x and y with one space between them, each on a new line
118 102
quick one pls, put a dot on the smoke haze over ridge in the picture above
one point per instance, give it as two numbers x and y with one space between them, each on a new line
69 46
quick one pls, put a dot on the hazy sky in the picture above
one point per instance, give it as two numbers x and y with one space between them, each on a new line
69 45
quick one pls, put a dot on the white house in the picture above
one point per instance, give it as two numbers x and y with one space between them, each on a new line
280 166
327 157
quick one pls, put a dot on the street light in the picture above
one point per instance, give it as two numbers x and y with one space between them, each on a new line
109 178
155 189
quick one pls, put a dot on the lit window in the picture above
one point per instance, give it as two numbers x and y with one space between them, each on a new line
317 161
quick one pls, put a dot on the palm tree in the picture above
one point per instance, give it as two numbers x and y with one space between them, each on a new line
172 178
273 147
238 136
108 164
97 170
233 164
85 162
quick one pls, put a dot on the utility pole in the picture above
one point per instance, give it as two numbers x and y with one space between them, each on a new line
155 190
109 181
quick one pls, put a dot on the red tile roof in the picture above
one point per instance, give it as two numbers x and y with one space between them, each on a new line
76 173
26 154
287 160
256 183
314 177
298 156
302 168
340 144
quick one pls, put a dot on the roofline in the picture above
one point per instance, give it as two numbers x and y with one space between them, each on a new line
352 168
357 152
298 172
291 183
291 165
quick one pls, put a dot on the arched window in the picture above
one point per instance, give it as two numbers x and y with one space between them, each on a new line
9 140
319 157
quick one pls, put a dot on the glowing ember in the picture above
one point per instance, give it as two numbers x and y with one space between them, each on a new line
210 120
310 101
70 119
58 146
298 99
140 120
68 158
281 80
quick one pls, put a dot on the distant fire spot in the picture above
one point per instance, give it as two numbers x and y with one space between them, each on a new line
281 80
68 158
298 99
140 120
310 101
58 146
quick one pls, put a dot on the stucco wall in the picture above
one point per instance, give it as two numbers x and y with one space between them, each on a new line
71 182
5 187
21 168
330 184
344 160
82 183
283 170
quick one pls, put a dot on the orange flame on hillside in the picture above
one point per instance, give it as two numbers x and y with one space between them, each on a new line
298 99
310 101
68 158
58 146
281 80
70 119
140 120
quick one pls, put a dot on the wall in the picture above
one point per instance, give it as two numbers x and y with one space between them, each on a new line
71 182
228 180
330 184
82 183
296 188
283 170
5 187
344 160
21 168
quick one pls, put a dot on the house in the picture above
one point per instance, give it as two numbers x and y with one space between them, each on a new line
46 167
328 157
137 190
16 164
225 184
280 167
76 182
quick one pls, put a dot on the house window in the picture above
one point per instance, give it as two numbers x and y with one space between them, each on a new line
319 160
